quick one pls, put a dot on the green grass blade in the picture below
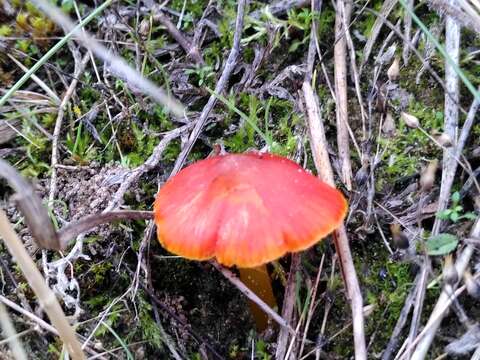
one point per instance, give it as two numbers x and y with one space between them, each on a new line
51 52
244 116
441 49
120 340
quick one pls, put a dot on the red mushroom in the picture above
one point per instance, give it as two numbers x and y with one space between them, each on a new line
245 209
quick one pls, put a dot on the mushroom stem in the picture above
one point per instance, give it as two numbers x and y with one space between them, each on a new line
258 280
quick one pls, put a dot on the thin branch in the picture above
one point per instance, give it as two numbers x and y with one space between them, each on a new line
79 67
190 48
230 276
447 297
341 99
73 229
288 307
456 12
402 320
318 143
387 7
10 334
219 88
427 335
407 26
149 164
38 64
450 126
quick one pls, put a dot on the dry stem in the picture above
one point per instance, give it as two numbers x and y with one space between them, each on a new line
190 48
444 300
114 63
10 335
45 295
89 222
230 276
31 207
318 143
288 307
221 84
79 67
340 58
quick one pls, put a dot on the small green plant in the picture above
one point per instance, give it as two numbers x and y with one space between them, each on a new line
201 74
441 244
261 350
80 146
455 213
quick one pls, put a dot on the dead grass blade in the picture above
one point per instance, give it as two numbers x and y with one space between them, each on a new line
45 295
230 276
425 338
10 335
387 7
287 308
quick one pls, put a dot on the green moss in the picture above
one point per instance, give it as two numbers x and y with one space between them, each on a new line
148 327
100 270
387 284
410 148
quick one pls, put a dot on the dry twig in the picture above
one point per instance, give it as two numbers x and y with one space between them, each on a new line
230 276
190 47
341 99
407 26
318 143
287 308
455 12
387 7
79 67
31 207
426 337
149 164
219 88
10 334
87 223
401 322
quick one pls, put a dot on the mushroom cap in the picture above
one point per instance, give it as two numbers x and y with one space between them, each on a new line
245 209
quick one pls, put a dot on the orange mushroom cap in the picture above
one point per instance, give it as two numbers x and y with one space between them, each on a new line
245 209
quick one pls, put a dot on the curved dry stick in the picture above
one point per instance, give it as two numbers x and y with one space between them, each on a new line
30 205
188 46
73 229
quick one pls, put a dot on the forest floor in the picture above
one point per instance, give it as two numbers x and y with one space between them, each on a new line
397 92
